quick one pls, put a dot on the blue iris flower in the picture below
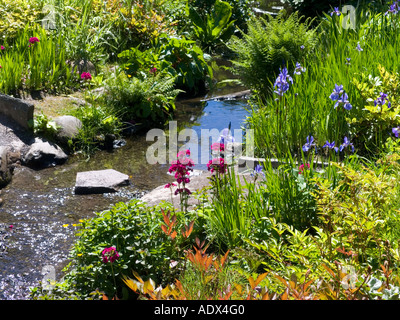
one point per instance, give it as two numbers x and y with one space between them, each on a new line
310 143
330 145
394 8
346 143
340 97
336 92
258 170
396 131
299 69
335 11
281 83
381 100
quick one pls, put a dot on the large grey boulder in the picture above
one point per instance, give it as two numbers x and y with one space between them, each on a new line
43 153
68 127
100 181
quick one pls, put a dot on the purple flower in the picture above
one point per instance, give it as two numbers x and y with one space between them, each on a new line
359 47
310 143
396 131
348 61
335 11
257 170
346 143
336 92
394 8
299 69
340 97
110 255
330 145
344 100
302 47
281 83
381 100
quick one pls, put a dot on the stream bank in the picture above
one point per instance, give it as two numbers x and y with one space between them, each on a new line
42 208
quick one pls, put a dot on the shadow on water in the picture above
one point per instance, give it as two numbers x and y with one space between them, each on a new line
40 203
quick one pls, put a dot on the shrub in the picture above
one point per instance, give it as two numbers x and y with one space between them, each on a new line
146 102
135 231
15 16
268 45
359 211
100 127
176 57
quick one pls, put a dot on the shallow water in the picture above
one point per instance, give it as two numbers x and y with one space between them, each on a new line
40 203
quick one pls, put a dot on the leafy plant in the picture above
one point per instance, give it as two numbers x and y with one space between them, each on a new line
381 109
15 16
145 102
135 231
42 125
269 44
215 28
176 57
359 209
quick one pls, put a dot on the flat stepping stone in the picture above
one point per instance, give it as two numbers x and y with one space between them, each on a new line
100 181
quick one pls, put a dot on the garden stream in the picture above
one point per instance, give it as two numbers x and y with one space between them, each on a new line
42 208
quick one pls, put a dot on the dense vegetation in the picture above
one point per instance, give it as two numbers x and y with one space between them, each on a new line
325 104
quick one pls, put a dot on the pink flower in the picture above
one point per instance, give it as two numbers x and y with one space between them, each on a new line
216 146
169 185
33 40
301 168
217 164
110 254
153 70
2 47
86 76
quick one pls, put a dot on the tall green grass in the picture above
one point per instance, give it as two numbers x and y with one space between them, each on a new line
36 66
281 126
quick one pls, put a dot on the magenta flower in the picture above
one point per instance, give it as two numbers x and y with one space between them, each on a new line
86 76
302 167
183 190
217 146
110 255
169 185
181 167
2 48
153 70
217 164
33 40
